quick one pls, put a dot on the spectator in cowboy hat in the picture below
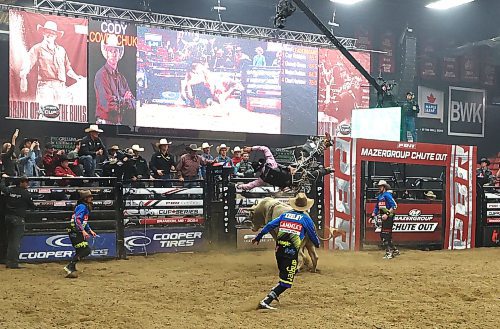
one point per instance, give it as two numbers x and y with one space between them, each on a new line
205 147
189 165
223 159
429 195
63 170
484 174
91 148
162 163
236 155
140 164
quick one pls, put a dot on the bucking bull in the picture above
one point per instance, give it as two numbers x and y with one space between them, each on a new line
268 209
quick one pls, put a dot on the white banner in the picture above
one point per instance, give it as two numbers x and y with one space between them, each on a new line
162 203
431 102
162 212
163 191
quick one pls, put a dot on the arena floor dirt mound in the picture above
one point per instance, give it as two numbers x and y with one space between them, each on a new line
438 289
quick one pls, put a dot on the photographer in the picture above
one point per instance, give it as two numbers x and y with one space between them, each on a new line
8 157
28 160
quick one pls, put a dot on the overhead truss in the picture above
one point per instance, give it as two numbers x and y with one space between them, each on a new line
187 24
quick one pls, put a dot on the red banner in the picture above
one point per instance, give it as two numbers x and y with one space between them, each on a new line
341 89
413 222
172 220
470 68
428 61
48 67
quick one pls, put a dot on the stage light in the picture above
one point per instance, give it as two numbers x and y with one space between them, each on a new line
346 2
447 4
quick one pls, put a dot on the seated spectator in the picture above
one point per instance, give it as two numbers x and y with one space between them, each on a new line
245 168
51 159
236 155
205 147
74 164
28 159
63 170
484 174
91 148
430 196
223 159
8 157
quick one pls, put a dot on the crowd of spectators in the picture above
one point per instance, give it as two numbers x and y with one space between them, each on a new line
91 158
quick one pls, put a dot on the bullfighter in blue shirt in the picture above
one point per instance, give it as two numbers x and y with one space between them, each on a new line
292 228
386 206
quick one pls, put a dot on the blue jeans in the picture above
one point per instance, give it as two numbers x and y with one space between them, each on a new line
188 181
410 127
89 165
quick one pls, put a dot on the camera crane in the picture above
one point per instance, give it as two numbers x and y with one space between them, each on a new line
286 8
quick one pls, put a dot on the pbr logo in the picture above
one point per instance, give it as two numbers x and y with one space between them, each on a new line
467 112
50 111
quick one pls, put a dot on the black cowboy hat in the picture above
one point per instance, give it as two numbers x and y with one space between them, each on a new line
483 159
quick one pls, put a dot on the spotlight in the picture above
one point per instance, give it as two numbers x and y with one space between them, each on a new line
284 9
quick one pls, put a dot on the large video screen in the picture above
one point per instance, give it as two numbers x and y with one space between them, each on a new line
342 89
378 123
203 82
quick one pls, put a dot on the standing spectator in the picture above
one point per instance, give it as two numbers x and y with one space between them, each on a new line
63 170
28 160
223 159
91 147
162 162
188 167
74 154
51 159
8 157
129 169
205 147
236 155
113 167
17 200
140 164
484 174
245 168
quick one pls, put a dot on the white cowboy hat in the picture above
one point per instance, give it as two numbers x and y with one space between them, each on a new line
301 202
50 26
205 145
384 183
164 141
111 40
237 149
222 146
192 147
137 148
430 194
93 128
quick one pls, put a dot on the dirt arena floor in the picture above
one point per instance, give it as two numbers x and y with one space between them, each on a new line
438 289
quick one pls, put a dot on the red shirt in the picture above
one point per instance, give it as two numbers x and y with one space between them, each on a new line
64 172
50 163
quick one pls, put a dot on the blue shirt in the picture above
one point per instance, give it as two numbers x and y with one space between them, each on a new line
80 218
384 201
292 227
203 168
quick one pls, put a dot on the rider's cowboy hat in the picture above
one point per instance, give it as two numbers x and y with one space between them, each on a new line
384 183
164 141
192 147
237 149
93 128
430 194
301 202
222 146
111 40
50 26
205 145
137 148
